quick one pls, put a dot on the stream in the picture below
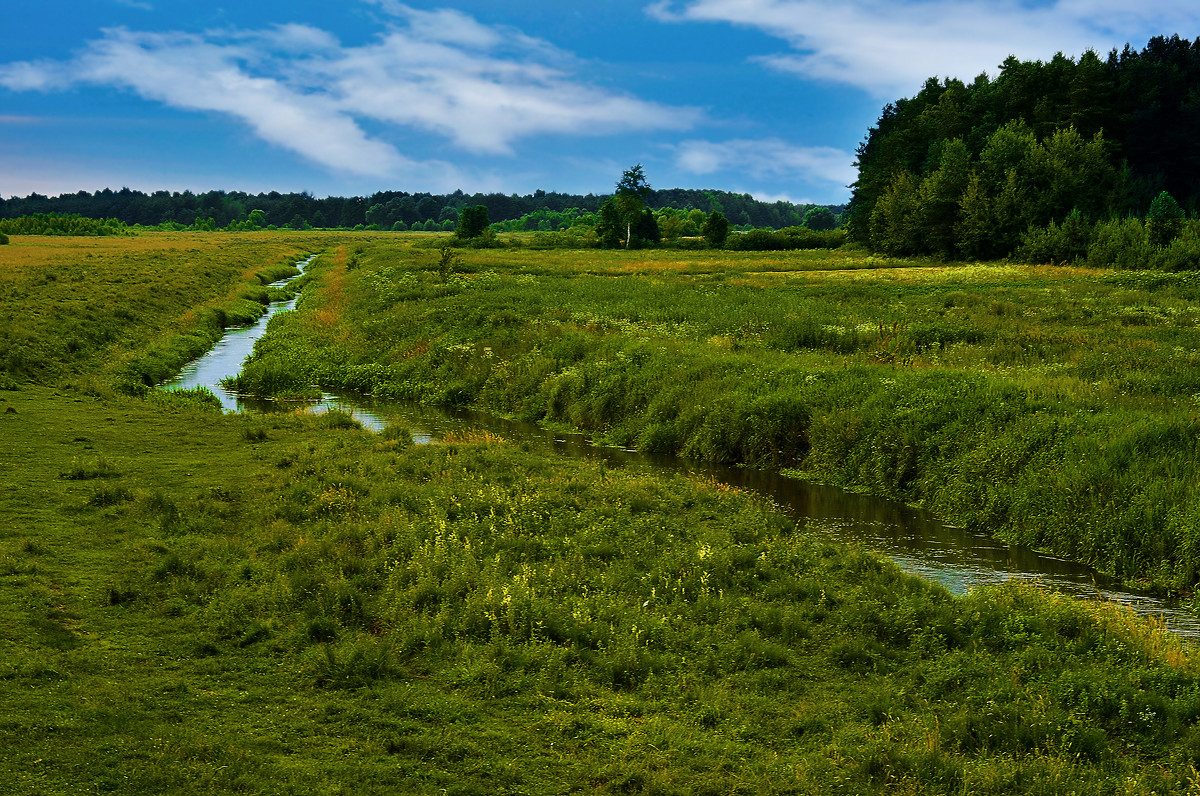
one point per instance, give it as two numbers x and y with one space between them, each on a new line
917 541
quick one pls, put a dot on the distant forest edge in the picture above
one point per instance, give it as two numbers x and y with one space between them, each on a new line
390 210
1090 161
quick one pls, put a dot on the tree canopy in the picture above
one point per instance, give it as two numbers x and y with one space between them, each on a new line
971 170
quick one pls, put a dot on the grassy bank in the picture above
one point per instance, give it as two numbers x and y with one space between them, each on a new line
130 311
1053 407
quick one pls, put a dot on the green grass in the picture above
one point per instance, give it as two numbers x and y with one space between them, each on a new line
130 311
199 603
1051 407
288 604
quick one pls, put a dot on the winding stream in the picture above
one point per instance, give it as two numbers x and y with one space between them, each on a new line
914 539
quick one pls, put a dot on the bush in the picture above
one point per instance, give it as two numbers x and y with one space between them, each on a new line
1053 243
786 239
1120 243
3 239
59 224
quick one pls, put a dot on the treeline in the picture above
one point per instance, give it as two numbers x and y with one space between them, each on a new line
53 224
387 210
1060 159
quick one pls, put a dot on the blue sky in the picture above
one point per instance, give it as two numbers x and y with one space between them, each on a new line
768 97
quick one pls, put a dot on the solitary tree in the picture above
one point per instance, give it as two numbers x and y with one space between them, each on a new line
630 203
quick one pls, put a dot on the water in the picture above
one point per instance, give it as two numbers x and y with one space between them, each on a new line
915 540
224 360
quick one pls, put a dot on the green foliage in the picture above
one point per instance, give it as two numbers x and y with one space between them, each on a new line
1018 188
970 171
820 219
3 239
1164 222
56 224
715 229
1069 243
609 226
633 183
472 222
448 263
789 239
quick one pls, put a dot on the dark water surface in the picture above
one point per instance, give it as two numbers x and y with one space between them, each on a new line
914 539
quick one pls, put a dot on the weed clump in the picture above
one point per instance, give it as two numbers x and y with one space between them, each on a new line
81 470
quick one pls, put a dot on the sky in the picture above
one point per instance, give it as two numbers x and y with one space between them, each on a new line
766 97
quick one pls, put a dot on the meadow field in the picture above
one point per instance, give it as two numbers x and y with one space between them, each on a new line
1050 406
193 602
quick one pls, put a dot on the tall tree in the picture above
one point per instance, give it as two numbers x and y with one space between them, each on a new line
630 200
715 229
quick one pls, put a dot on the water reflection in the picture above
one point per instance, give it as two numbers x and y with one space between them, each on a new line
914 539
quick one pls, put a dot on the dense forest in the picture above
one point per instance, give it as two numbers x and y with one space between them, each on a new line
1061 159
386 210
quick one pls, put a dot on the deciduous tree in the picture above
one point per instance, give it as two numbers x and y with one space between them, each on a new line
715 229
472 221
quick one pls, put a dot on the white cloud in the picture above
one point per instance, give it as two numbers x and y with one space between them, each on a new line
768 158
481 102
481 88
889 47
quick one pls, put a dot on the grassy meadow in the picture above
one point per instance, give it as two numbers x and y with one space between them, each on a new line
199 603
1051 406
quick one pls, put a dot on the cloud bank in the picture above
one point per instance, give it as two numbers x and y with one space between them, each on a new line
889 47
478 88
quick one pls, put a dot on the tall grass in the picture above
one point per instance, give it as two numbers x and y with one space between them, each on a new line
1052 407
318 607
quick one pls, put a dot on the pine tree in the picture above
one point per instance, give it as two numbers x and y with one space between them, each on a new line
1165 221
